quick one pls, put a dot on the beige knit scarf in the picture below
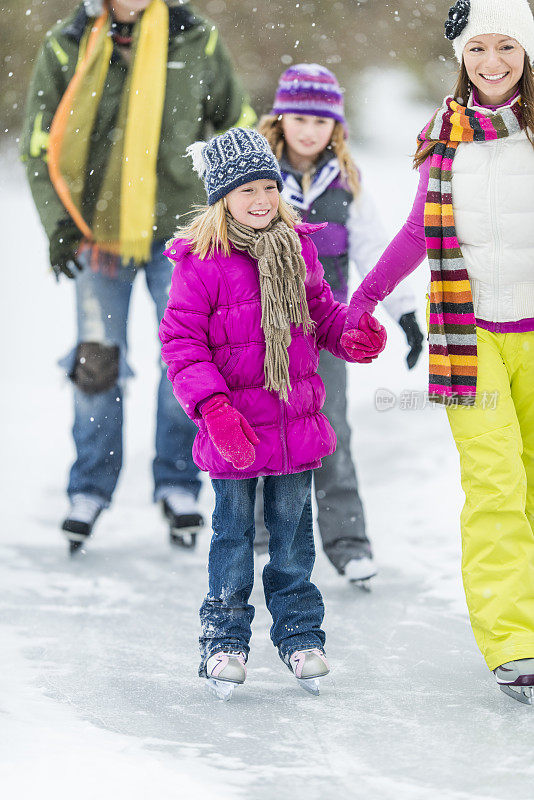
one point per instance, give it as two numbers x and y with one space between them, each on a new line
282 271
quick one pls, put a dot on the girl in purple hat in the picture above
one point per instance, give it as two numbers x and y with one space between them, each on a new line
307 132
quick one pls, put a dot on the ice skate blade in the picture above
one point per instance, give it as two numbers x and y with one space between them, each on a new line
223 690
523 694
185 538
77 546
310 685
362 585
76 543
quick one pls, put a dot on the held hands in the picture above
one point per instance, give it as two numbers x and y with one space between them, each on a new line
230 432
364 342
64 243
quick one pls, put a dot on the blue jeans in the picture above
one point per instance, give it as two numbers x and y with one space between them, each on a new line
102 313
294 602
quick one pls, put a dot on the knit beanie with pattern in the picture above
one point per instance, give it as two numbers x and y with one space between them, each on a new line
238 156
309 89
470 18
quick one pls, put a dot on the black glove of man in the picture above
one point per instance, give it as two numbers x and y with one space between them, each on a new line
64 243
414 337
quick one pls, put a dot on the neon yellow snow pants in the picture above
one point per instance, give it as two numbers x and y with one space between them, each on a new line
495 440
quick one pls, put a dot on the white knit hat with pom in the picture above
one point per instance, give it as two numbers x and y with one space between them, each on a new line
470 18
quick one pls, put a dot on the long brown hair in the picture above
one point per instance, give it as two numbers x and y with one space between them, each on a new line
461 95
271 127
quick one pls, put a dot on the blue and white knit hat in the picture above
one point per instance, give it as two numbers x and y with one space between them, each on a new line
237 156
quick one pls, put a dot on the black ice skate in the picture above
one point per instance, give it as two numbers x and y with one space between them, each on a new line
516 679
79 522
185 520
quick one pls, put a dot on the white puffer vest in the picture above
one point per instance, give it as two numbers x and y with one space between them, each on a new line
493 202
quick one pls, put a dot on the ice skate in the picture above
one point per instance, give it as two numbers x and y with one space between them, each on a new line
224 671
79 522
516 679
359 572
181 510
308 666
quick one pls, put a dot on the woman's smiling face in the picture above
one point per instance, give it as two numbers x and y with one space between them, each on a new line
495 65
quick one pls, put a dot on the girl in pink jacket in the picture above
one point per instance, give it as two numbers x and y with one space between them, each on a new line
249 310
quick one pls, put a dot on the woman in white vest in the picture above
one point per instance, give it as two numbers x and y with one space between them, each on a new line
474 217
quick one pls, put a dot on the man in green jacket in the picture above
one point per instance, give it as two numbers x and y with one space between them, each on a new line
119 90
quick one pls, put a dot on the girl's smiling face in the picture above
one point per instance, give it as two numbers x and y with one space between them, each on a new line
306 137
495 65
254 204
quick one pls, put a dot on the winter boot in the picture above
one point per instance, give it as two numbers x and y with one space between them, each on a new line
79 522
225 670
308 666
181 510
516 679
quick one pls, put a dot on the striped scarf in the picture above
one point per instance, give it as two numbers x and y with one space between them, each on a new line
452 329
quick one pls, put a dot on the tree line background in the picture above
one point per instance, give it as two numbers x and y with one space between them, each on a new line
264 38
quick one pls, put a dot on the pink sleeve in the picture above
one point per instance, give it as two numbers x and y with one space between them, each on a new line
403 254
184 335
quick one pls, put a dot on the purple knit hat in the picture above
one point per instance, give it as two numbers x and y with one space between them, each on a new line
309 89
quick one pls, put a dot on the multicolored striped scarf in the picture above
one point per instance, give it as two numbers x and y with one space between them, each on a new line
452 330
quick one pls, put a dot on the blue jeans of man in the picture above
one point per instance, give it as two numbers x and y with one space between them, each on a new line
294 602
102 314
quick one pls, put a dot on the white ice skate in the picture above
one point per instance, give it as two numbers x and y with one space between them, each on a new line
359 571
308 666
81 517
516 679
224 671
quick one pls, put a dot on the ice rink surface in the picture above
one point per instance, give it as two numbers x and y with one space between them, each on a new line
99 695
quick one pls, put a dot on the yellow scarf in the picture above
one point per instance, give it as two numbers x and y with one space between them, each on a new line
124 211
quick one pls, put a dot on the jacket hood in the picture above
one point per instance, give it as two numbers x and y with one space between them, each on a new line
93 8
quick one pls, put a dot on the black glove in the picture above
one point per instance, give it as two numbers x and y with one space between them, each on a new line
64 243
414 337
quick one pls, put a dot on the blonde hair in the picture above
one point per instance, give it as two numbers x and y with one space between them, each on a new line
461 94
207 231
271 127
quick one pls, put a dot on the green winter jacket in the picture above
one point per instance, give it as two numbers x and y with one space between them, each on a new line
203 94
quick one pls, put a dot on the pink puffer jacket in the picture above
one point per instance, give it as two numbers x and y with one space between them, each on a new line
212 342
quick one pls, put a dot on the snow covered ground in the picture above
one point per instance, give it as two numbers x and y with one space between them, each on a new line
98 691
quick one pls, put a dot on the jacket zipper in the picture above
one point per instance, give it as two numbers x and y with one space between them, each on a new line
283 436
495 228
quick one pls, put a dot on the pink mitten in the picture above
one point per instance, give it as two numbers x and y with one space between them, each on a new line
374 330
364 343
229 431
